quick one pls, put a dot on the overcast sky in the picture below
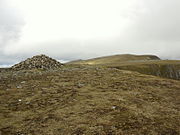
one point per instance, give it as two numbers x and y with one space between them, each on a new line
81 29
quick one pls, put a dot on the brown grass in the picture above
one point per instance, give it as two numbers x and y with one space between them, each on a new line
88 100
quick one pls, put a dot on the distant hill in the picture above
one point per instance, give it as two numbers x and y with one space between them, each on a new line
146 64
116 59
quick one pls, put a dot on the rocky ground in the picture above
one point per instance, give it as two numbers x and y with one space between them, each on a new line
89 100
145 64
37 62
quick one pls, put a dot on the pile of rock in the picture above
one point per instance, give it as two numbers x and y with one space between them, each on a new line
38 62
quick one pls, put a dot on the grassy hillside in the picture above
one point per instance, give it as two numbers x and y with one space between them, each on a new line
116 59
146 64
163 68
89 100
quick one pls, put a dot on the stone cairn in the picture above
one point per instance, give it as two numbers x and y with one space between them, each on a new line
37 62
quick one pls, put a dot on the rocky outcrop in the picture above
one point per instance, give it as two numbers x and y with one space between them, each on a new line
168 71
171 71
37 62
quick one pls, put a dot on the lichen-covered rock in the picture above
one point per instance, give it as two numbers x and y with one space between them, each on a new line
37 62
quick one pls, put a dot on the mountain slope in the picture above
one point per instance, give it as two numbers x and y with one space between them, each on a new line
87 100
146 64
116 59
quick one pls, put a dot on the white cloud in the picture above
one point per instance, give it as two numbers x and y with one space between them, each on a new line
10 23
88 28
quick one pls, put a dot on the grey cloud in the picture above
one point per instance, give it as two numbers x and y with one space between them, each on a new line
160 21
10 29
154 29
66 50
10 24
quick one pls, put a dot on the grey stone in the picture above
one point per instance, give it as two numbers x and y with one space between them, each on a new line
37 62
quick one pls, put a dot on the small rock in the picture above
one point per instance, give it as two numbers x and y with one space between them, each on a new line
113 107
80 85
27 103
19 100
23 82
19 87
